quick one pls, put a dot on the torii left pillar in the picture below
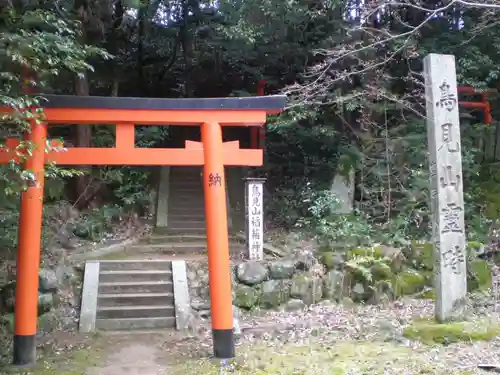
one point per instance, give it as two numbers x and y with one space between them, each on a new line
28 254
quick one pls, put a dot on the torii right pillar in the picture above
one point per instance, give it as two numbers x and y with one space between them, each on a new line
218 243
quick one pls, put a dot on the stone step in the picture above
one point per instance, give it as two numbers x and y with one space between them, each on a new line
136 287
186 230
131 324
174 239
135 299
182 181
186 202
159 237
187 215
200 225
194 208
186 189
142 311
191 210
134 275
163 248
131 264
135 332
175 220
182 193
181 246
193 190
185 180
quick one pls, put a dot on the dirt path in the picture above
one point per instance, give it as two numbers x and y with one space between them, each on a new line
138 357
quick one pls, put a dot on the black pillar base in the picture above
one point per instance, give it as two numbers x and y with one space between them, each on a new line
24 350
223 343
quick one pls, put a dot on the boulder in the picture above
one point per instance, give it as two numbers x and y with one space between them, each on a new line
359 293
294 305
7 297
45 302
48 281
422 256
274 293
479 276
409 282
333 285
281 269
332 260
394 256
305 260
245 296
307 288
251 273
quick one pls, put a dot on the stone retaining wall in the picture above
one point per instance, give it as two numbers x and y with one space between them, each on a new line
364 275
285 283
58 299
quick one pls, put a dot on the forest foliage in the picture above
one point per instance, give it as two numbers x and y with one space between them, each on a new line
352 71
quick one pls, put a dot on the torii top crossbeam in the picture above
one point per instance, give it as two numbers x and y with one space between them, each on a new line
158 111
128 112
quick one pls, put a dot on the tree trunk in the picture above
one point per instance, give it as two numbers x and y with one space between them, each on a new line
82 133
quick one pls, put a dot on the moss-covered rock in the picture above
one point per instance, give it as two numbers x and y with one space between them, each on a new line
332 260
479 275
251 273
274 293
428 293
409 282
281 269
431 332
363 252
381 271
334 285
246 296
394 257
307 287
422 256
360 293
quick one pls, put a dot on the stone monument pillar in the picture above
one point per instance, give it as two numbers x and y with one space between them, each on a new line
446 189
254 207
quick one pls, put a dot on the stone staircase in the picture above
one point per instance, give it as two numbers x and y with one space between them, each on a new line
186 206
185 234
130 295
146 288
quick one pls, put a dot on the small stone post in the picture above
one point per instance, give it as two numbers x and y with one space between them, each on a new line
254 207
446 190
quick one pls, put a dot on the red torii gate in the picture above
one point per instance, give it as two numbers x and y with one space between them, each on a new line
212 153
483 105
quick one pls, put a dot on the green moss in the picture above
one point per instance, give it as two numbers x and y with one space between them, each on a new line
76 362
409 282
480 275
428 294
354 357
381 271
246 296
422 256
431 332
375 252
328 260
492 206
274 293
